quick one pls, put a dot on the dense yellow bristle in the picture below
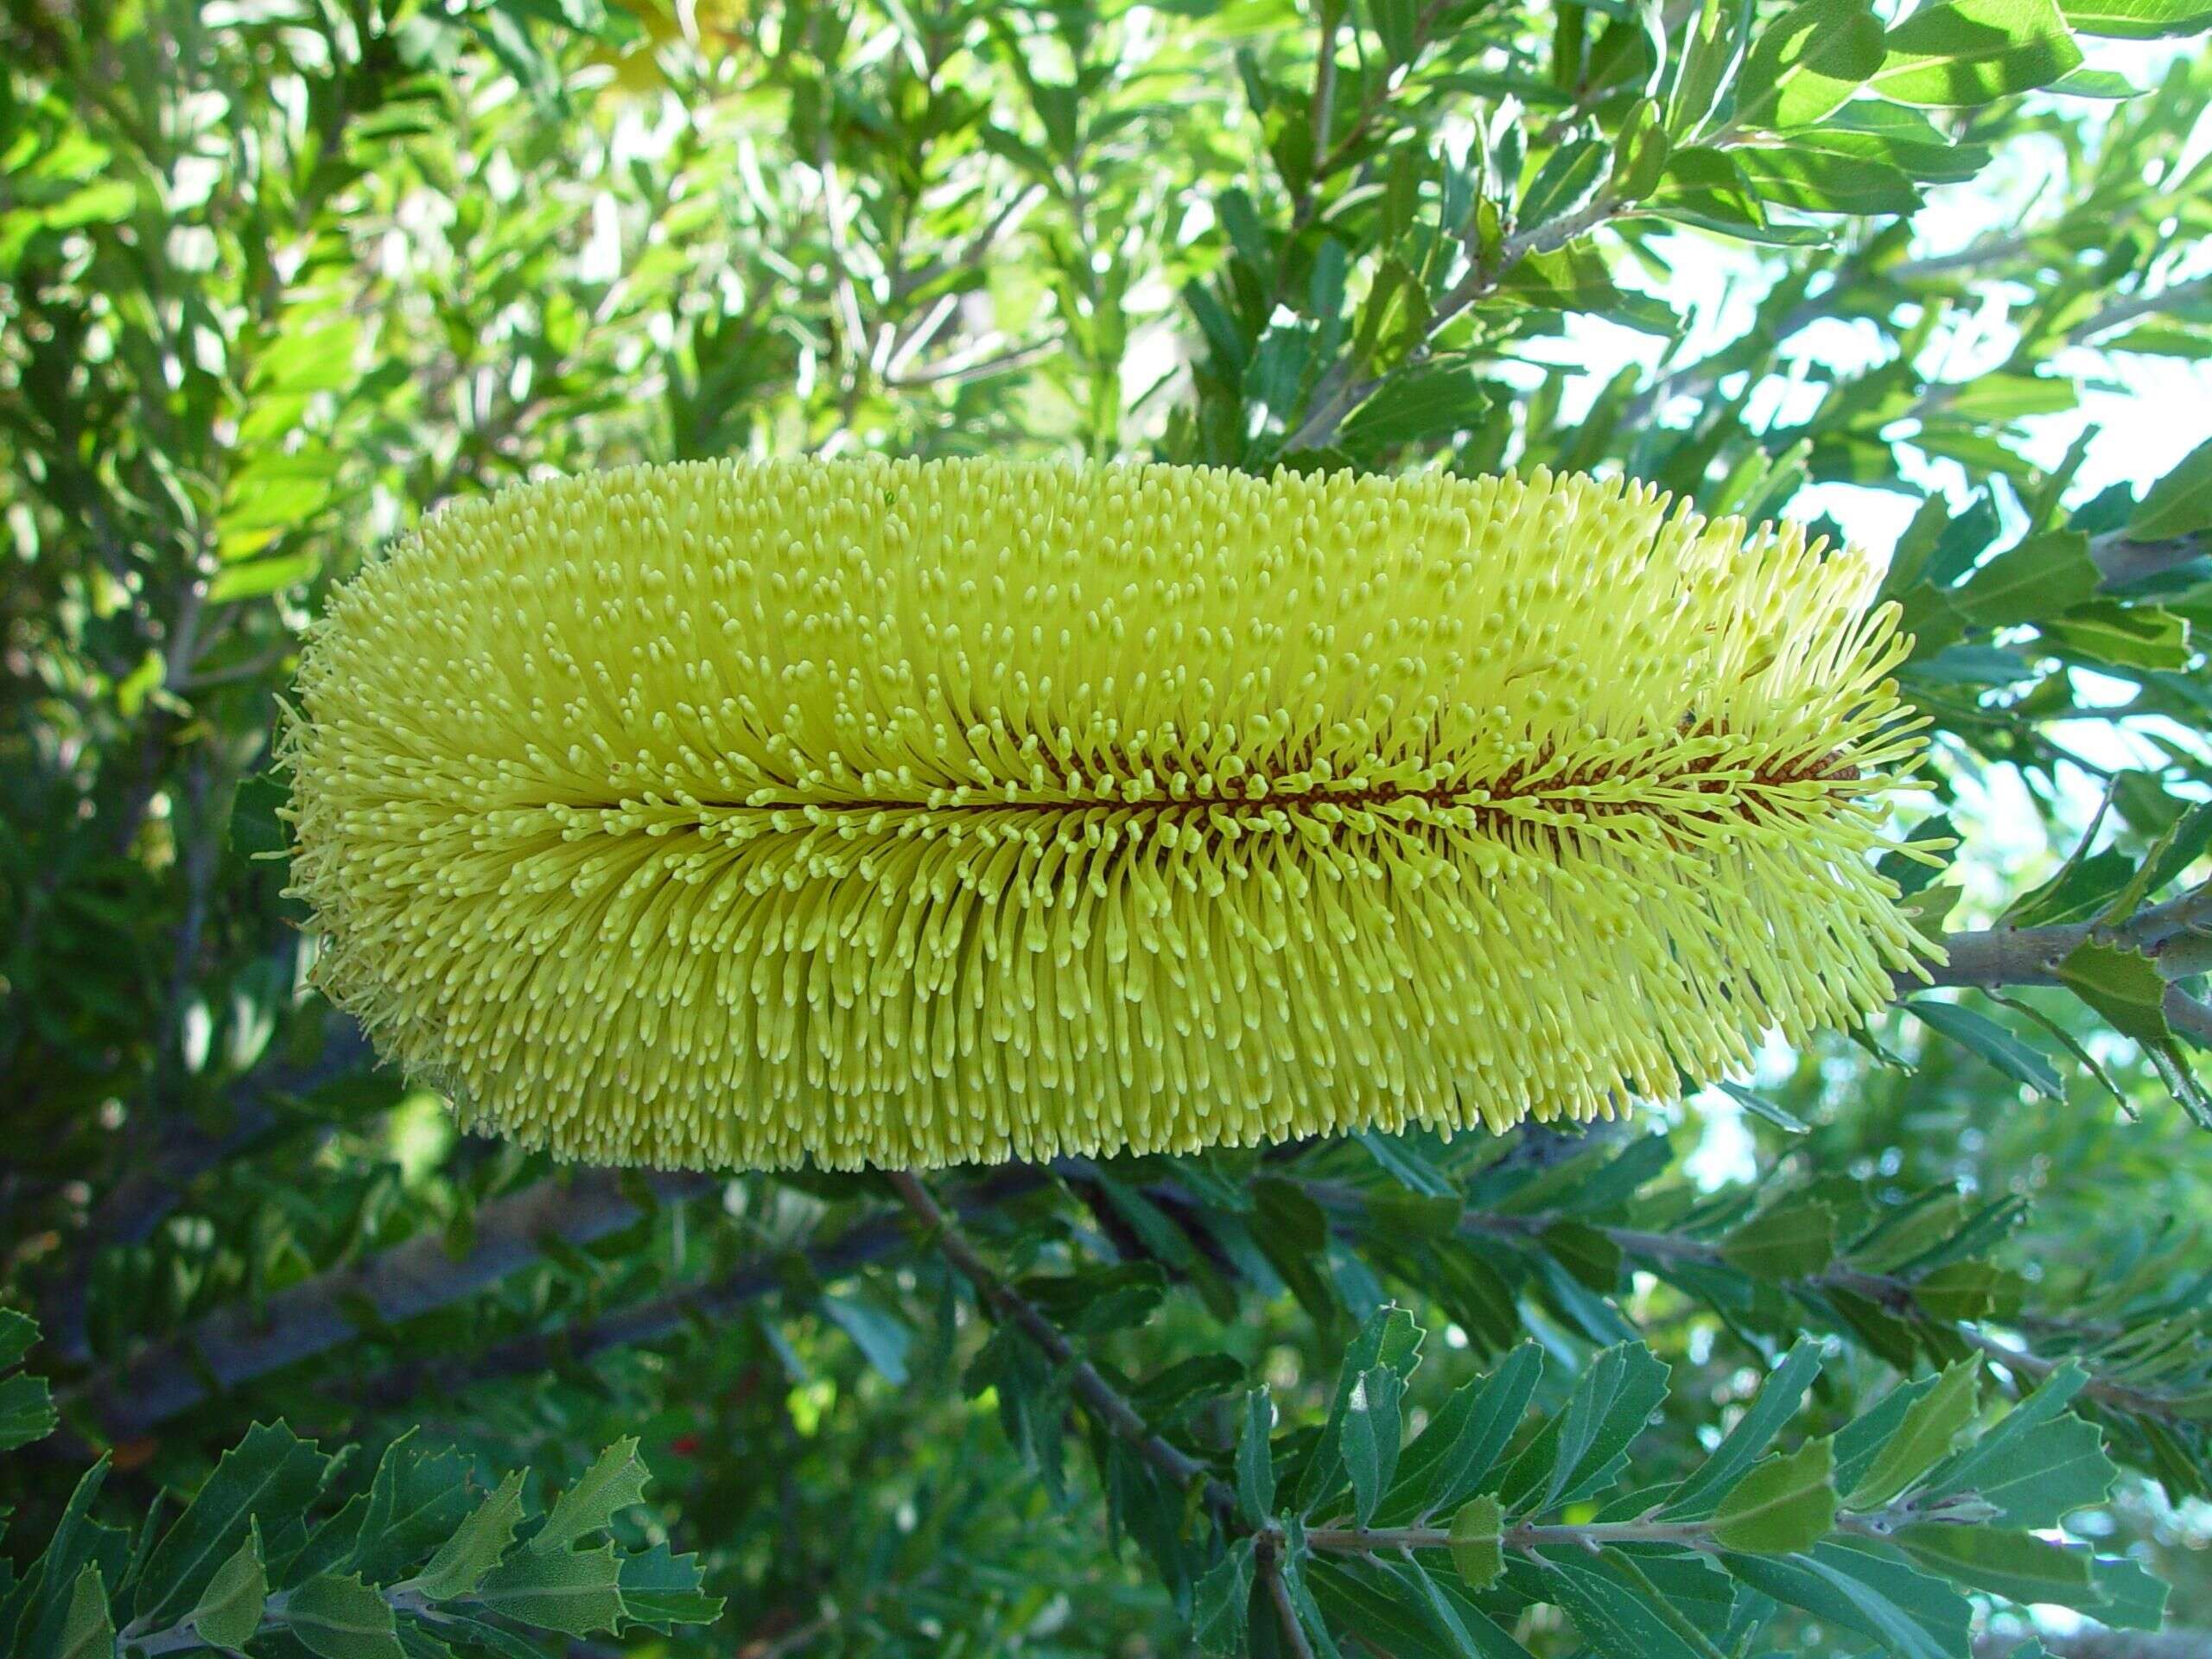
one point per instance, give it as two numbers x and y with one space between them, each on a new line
900 814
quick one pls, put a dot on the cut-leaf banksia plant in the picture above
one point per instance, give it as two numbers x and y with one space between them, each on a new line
899 813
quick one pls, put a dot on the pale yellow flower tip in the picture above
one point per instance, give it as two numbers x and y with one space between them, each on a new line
890 813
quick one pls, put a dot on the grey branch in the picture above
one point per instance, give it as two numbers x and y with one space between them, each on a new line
240 1342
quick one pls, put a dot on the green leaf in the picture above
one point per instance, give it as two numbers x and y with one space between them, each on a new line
2123 986
1478 1542
576 1591
1217 1606
1785 1503
1964 53
612 1484
2016 1565
1923 1439
17 1332
1389 1338
229 1611
1255 1468
1708 65
1588 1438
2137 20
1640 152
2138 637
1567 183
1814 178
1793 1240
271 1473
27 1412
88 1627
1992 1042
1417 406
1705 187
2179 503
1914 1616
1371 1436
1808 62
2039 1463
476 1545
417 1499
1778 1399
2043 576
660 1589
1614 1619
1448 1461
342 1619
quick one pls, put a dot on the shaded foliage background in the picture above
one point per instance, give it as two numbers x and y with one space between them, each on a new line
278 276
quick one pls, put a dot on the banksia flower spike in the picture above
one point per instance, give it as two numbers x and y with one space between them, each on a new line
900 814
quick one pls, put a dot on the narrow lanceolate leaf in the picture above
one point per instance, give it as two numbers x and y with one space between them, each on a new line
1567 182
1370 1438
1964 53
1255 1468
1777 1402
1478 1542
575 1592
88 1629
476 1545
1461 1444
342 1619
1784 1505
1923 1439
1985 1037
1912 1615
612 1484
229 1610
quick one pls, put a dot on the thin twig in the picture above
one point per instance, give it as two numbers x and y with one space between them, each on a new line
1008 1306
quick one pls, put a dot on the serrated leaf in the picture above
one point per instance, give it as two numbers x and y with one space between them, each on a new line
1478 1542
2123 986
417 1499
1923 1439
2039 1463
1417 406
229 1610
88 1627
270 1472
1217 1606
612 1484
1785 1503
575 1592
340 1618
476 1545
661 1589
27 1412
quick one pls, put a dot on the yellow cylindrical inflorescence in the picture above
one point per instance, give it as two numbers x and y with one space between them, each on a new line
895 813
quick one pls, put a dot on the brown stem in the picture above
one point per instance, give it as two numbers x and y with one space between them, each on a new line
1008 1306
